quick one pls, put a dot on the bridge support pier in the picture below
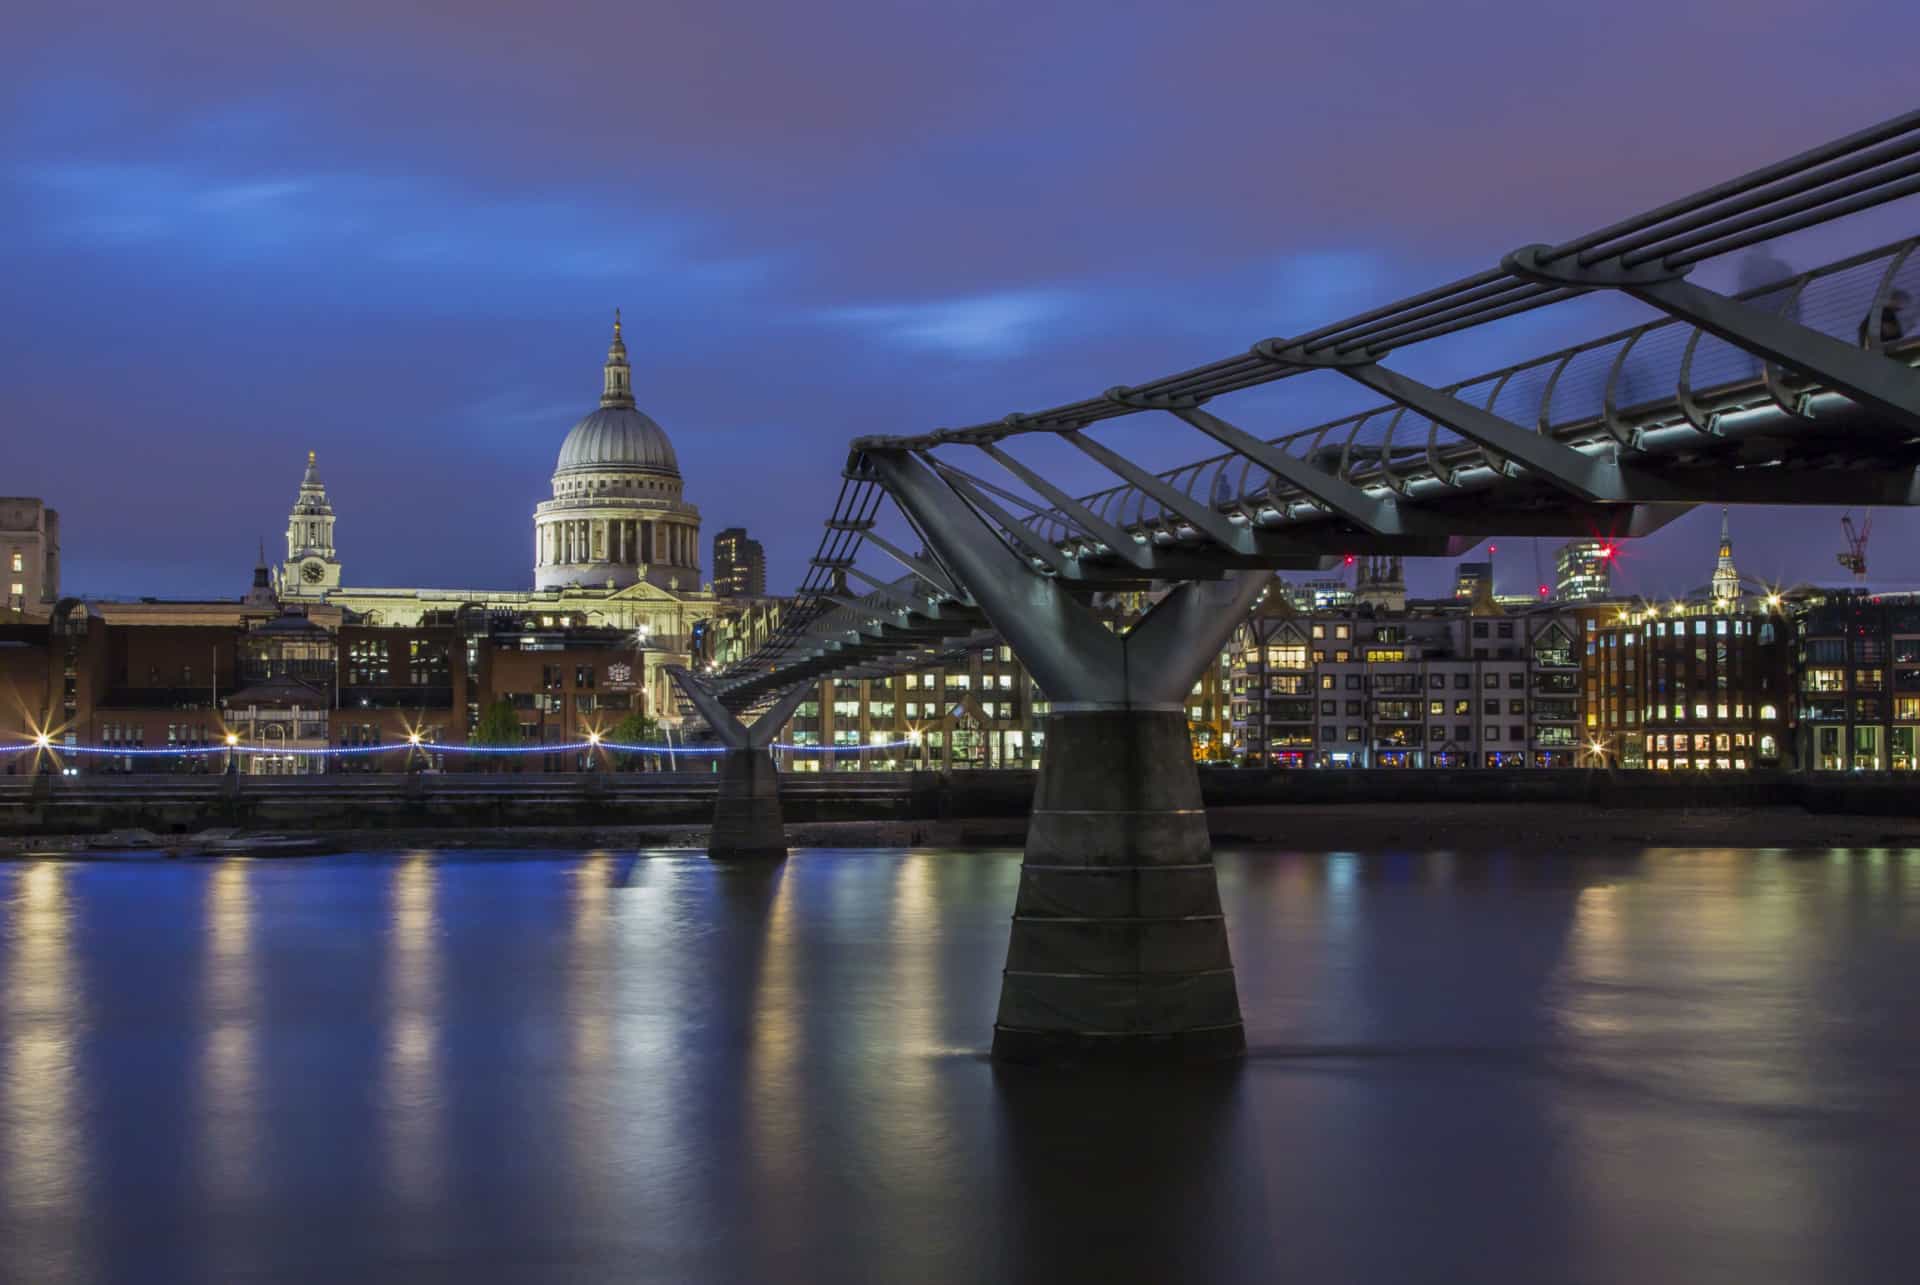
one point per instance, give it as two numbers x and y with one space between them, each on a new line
747 823
1119 951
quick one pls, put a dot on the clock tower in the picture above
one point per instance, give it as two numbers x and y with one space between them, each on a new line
311 568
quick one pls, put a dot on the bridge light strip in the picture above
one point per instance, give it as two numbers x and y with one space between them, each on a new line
339 751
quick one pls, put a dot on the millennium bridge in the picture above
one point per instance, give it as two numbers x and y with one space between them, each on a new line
1790 393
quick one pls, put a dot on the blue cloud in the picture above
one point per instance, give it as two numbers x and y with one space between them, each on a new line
983 326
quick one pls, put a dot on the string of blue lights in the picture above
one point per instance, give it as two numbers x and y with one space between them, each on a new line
54 745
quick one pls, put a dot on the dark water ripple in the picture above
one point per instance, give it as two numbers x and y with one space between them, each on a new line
1673 1066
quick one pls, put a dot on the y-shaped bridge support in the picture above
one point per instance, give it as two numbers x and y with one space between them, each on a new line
1119 949
746 817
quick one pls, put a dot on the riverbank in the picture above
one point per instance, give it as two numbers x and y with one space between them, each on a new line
1375 827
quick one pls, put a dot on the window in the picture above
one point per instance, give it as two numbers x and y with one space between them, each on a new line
582 674
1353 682
1517 681
1462 731
1462 682
1437 732
1516 708
1516 732
1824 680
1340 631
1436 708
1492 707
1437 681
1290 657
19 563
1353 733
1492 732
1462 707
1504 630
1326 682
1326 708
1869 680
1492 680
1353 709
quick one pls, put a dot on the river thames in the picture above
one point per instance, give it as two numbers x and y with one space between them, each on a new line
1677 1065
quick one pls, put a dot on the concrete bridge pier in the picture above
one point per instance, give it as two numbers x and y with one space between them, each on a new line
747 824
1118 951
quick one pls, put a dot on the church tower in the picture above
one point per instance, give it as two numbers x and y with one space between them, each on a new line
311 567
1726 581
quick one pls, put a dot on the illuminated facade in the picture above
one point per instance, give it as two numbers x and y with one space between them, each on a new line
1714 686
1859 682
617 517
739 565
29 555
312 566
1583 571
1435 686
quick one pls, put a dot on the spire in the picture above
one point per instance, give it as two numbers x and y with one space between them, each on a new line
1726 578
312 477
261 594
618 388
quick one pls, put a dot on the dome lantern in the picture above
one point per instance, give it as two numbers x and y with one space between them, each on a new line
618 388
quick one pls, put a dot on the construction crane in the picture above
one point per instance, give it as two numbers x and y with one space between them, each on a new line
1855 558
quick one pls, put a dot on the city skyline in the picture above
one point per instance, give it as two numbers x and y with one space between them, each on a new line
403 253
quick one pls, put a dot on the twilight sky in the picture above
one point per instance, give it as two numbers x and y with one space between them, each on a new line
395 234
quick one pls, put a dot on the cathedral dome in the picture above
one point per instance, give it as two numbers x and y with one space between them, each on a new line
617 437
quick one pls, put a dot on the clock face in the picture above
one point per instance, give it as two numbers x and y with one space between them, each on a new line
311 572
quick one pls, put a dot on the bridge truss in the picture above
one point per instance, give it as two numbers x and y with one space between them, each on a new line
1763 397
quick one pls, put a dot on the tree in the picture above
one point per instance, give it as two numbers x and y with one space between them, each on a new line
635 729
499 725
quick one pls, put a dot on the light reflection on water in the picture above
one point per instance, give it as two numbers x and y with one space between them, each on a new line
1671 1065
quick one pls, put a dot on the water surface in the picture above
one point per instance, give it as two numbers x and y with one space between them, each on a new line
1672 1066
